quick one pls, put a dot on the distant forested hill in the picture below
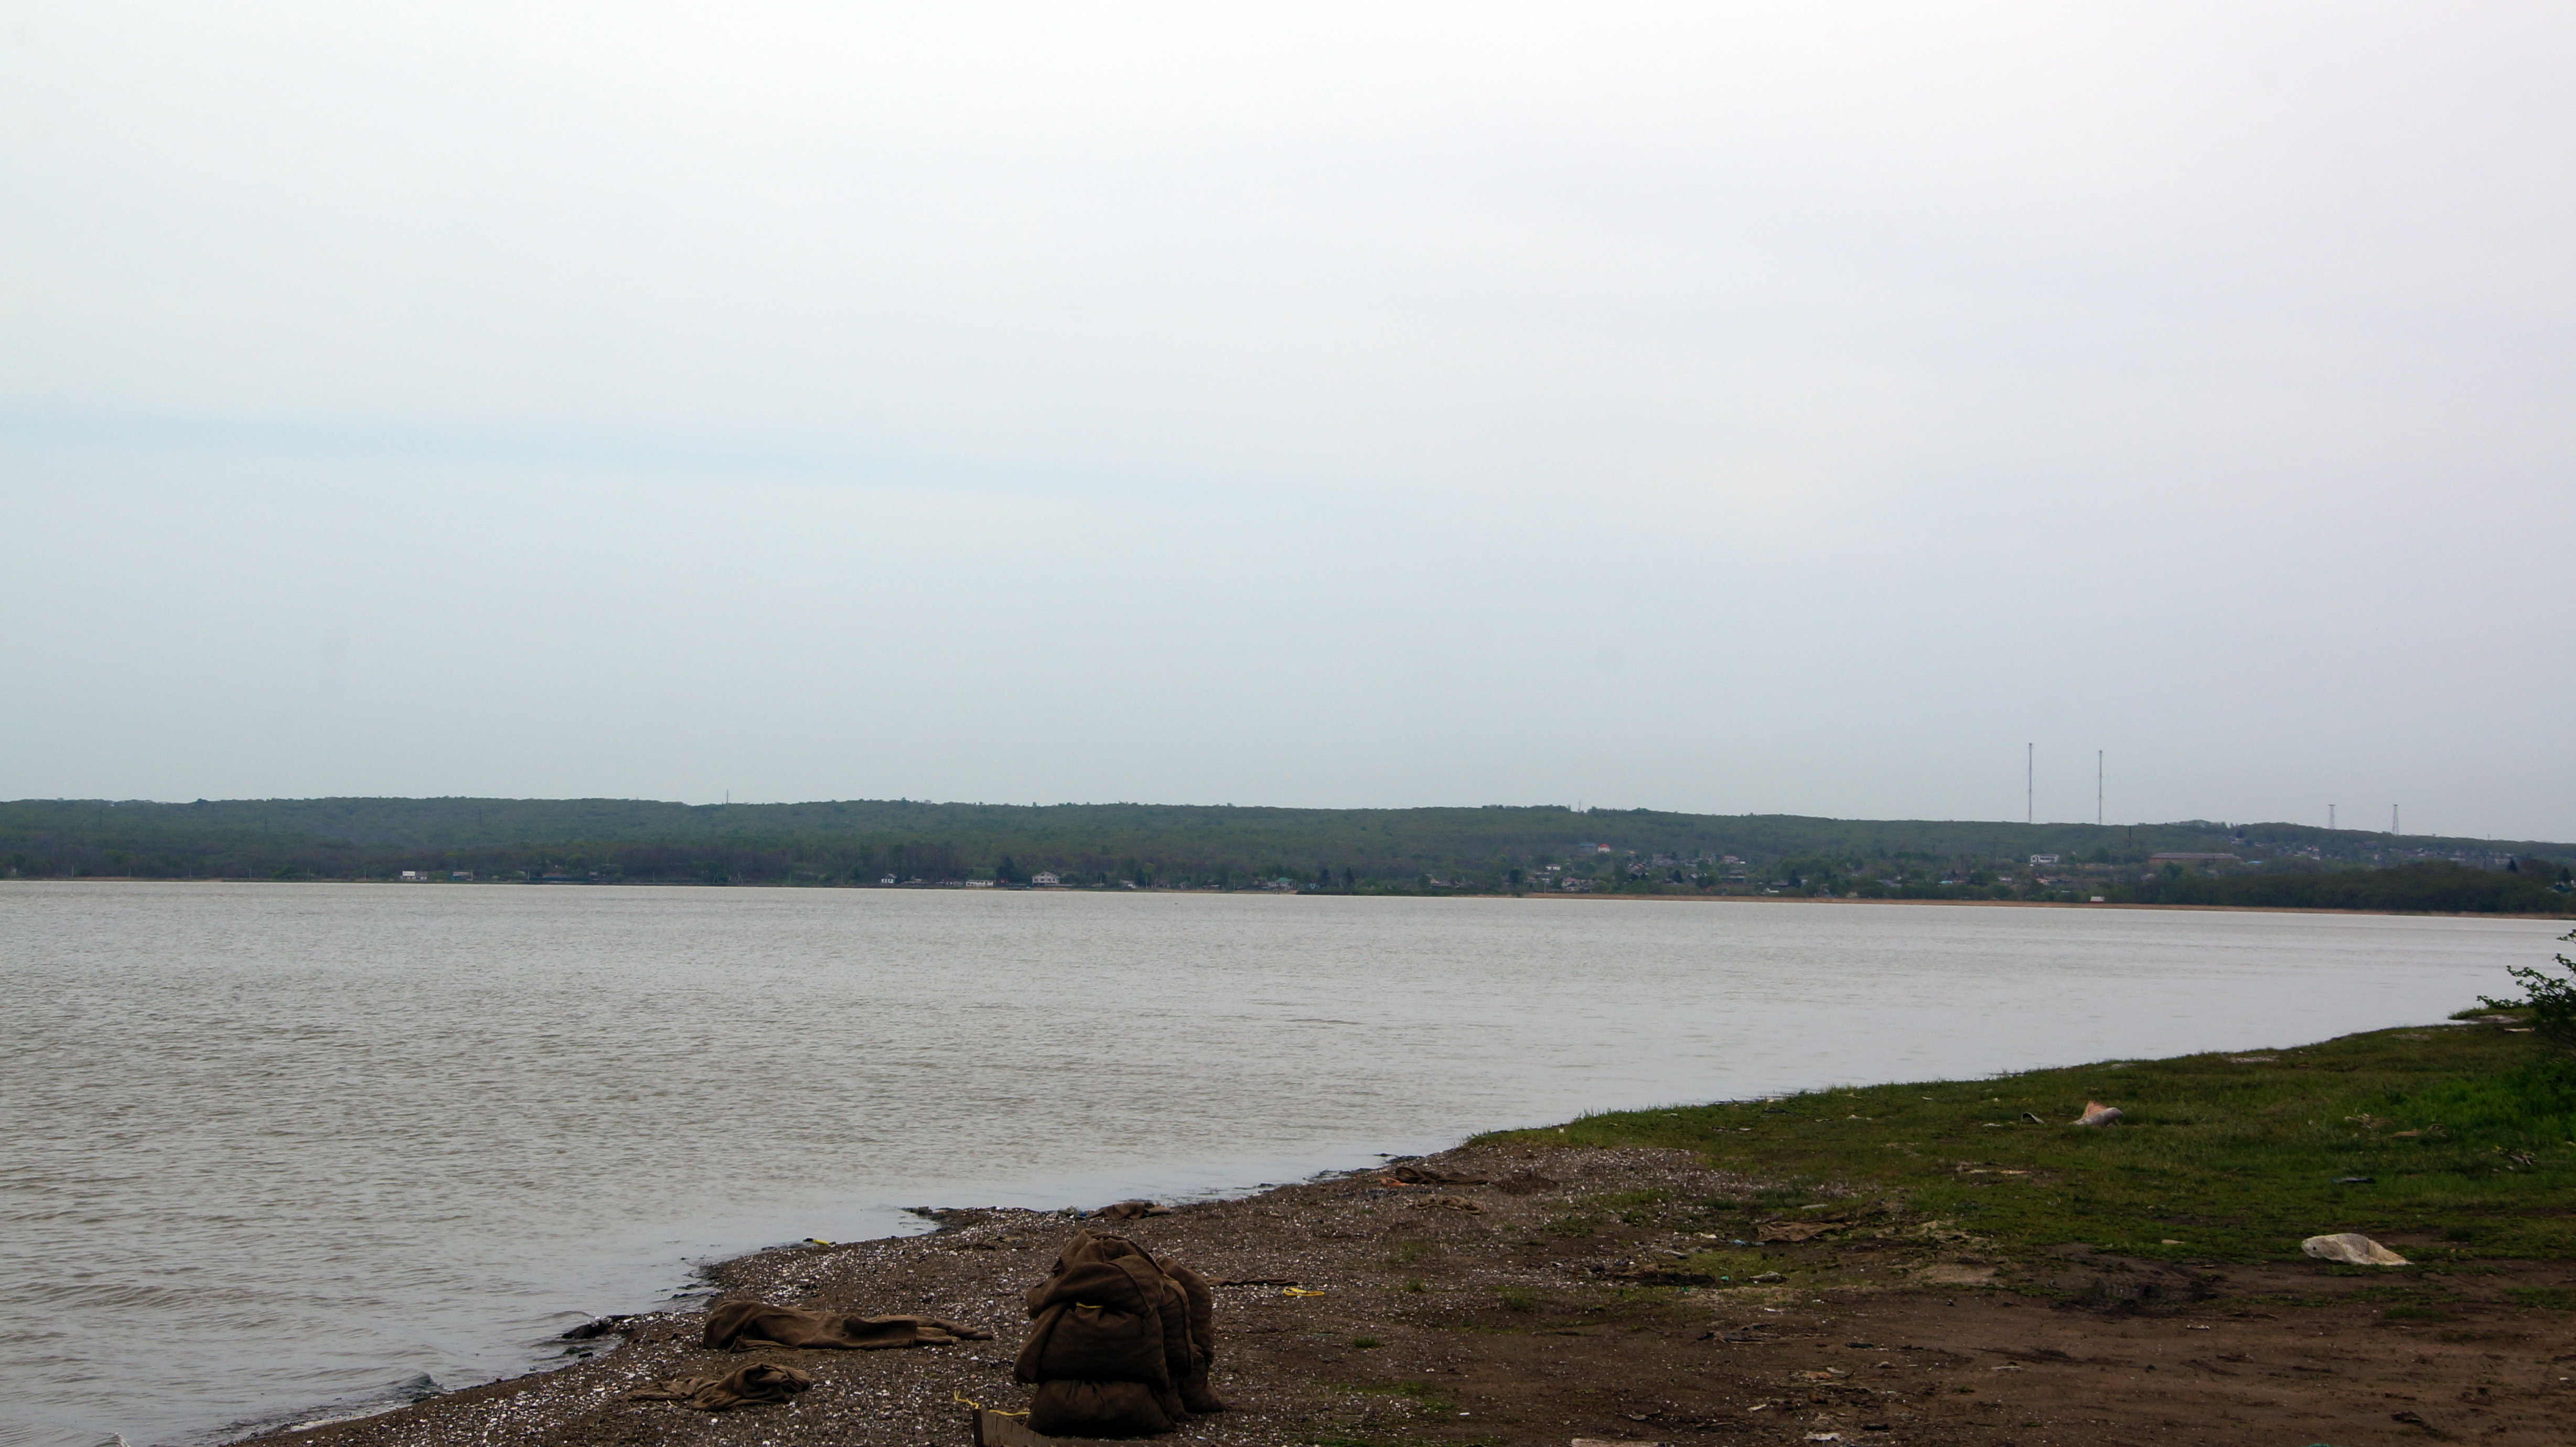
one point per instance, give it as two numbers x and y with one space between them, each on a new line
1213 846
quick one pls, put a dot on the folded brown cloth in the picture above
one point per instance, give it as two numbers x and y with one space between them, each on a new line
741 1325
1424 1176
1130 1210
744 1386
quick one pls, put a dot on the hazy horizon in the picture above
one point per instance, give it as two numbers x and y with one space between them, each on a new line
1716 409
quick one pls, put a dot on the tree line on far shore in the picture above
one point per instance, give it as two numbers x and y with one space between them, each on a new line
1435 851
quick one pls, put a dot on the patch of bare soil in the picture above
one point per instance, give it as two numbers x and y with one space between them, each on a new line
1568 1299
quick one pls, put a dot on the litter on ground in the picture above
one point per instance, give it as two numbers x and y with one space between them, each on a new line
2351 1248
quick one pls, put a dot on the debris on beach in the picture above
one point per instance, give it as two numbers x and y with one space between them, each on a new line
1774 1231
1524 1183
1410 1175
744 1325
1131 1210
1119 1344
758 1383
2352 1249
988 1428
1637 1273
1447 1203
2096 1113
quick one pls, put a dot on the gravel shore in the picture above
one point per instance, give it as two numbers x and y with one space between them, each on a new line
1619 1295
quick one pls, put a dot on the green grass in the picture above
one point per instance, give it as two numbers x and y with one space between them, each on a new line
1420 1394
2468 1135
1731 1265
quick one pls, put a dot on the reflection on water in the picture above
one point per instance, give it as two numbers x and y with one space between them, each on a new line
277 1146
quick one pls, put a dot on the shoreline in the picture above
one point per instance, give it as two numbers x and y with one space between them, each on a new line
1551 895
1530 1286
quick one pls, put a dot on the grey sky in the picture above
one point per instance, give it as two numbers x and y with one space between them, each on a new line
1792 408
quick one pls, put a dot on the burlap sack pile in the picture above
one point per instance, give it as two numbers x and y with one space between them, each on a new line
1121 1345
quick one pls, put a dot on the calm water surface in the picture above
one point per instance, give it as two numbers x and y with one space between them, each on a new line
271 1147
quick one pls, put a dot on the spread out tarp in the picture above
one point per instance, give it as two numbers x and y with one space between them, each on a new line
758 1382
741 1325
1120 1345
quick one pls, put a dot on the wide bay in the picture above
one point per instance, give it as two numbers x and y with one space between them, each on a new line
275 1146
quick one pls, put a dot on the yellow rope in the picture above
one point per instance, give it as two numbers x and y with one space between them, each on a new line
961 1399
1298 1291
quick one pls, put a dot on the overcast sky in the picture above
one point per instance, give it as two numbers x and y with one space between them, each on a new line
1788 408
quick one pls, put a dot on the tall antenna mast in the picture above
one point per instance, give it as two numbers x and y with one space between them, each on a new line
2097 788
2330 819
2029 785
2392 820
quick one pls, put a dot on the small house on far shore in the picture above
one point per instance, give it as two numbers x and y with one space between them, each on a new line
1044 881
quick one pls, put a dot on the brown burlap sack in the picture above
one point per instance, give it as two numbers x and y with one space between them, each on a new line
1109 1313
1098 1409
744 1386
1199 1305
1076 1340
741 1325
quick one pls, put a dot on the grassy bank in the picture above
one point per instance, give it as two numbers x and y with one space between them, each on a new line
2466 1135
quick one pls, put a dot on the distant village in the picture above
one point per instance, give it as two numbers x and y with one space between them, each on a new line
1592 867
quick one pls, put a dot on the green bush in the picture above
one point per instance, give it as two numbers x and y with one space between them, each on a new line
2552 1003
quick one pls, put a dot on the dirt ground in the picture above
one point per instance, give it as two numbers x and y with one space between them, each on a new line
1601 1300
